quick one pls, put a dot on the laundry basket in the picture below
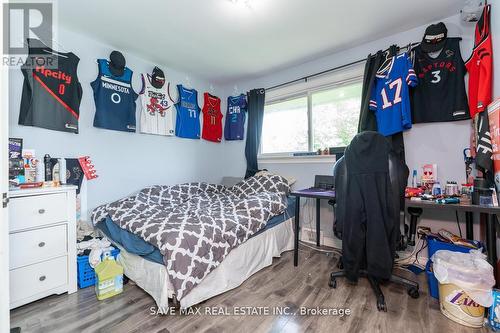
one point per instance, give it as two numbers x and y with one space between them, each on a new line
86 274
465 285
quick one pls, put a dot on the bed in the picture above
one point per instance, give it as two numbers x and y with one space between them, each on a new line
249 223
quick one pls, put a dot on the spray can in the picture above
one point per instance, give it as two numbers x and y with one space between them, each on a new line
48 171
40 171
62 170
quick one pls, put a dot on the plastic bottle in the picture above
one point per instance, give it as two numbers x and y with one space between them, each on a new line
414 179
109 275
436 189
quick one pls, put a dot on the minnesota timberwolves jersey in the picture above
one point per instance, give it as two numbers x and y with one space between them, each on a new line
114 99
390 99
187 123
234 127
440 94
212 118
157 108
51 94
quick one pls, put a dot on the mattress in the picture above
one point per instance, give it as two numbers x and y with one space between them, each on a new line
241 263
133 244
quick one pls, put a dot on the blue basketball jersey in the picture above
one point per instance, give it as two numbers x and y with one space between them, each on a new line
187 124
114 99
234 129
390 95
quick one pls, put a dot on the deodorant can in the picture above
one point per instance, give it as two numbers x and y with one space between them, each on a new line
40 171
48 171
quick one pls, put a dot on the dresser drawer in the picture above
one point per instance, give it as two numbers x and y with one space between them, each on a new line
39 210
30 247
35 279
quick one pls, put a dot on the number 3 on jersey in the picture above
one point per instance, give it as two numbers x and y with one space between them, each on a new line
436 77
394 85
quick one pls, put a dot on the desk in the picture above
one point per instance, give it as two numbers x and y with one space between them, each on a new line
490 212
308 193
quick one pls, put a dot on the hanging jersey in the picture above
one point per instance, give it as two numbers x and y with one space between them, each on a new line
114 99
480 66
440 94
390 98
212 118
157 108
234 128
51 93
187 123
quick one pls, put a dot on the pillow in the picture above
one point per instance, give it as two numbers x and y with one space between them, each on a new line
291 180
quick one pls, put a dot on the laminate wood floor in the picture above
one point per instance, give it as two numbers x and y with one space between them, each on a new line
280 285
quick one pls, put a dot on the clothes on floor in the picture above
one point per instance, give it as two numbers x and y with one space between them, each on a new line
96 246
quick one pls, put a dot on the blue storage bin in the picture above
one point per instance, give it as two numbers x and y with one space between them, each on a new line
433 245
432 281
86 274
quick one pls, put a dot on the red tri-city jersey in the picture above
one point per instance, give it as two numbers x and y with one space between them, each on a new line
212 118
480 66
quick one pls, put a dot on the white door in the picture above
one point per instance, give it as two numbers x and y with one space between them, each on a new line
4 172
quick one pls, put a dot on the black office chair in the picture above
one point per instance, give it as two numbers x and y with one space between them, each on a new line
369 183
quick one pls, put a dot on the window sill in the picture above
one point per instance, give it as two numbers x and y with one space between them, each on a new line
290 159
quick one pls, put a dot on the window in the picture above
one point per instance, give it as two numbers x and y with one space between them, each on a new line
285 127
315 119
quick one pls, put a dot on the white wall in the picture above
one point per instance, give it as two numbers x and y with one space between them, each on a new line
127 162
440 143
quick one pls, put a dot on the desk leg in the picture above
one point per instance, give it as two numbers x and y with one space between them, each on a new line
297 222
318 224
414 215
469 225
491 238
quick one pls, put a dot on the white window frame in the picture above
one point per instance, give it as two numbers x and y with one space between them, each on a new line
307 88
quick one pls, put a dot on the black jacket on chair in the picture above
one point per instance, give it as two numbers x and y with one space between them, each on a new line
369 184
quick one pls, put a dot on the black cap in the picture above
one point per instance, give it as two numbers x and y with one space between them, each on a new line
158 78
434 38
117 63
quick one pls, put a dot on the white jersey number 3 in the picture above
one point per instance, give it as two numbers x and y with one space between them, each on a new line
436 77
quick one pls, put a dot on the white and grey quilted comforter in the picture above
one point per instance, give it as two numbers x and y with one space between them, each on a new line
196 225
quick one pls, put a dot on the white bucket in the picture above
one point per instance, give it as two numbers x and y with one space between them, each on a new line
459 307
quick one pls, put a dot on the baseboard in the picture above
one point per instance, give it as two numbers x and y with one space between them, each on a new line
308 235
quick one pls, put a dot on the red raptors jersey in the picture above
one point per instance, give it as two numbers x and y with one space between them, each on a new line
212 118
480 66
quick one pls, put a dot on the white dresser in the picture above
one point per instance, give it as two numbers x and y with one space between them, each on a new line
42 243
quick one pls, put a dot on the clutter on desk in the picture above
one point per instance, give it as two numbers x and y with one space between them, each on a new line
480 192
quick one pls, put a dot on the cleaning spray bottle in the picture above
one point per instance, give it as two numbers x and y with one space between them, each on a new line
109 276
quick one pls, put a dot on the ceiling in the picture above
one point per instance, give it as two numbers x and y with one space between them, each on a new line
222 41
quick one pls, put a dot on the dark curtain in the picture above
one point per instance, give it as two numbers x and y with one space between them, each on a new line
367 120
256 99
